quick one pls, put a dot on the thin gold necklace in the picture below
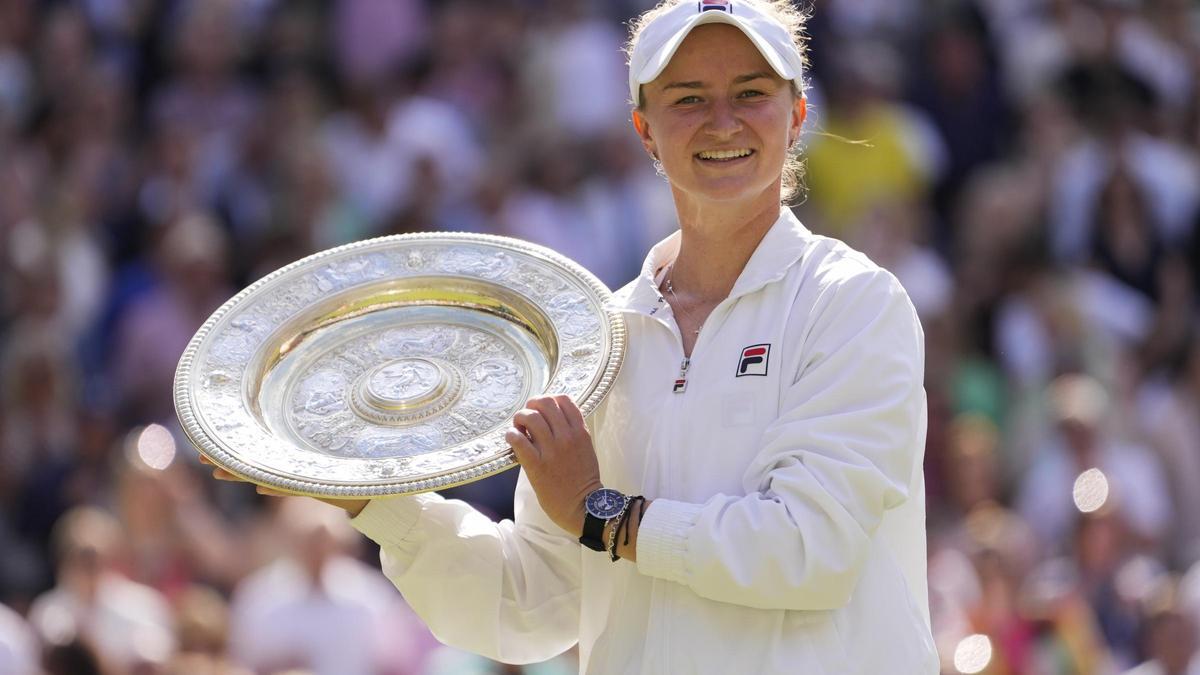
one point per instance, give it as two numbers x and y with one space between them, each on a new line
678 304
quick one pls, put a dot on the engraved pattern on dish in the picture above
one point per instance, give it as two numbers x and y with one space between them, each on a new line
219 392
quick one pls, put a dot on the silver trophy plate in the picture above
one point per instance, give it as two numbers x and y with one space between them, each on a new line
393 365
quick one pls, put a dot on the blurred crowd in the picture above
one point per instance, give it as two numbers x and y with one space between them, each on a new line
1029 169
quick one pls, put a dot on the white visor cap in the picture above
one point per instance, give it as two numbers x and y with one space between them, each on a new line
659 40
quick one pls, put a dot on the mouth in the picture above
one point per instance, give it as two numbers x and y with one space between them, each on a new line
724 156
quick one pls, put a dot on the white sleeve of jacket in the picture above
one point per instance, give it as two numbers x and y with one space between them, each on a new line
840 454
509 591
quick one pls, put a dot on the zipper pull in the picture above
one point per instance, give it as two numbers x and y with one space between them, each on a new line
681 381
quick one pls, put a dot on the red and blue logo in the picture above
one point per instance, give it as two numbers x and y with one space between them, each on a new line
705 5
754 360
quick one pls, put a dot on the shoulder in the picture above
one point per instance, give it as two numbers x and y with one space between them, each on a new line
839 280
847 305
624 293
832 263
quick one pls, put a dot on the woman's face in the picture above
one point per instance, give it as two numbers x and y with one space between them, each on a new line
719 118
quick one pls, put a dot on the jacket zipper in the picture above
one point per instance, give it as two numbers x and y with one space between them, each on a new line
681 381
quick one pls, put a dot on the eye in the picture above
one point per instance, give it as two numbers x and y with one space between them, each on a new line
751 93
688 100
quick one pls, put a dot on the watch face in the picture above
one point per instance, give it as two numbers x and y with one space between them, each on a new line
605 503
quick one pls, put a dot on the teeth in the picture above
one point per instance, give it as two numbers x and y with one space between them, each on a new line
724 154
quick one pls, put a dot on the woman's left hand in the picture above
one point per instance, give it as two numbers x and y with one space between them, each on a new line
352 507
553 445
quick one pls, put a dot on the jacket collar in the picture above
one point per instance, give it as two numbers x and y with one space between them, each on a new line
781 247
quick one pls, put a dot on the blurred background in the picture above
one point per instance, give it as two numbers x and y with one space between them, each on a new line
1031 173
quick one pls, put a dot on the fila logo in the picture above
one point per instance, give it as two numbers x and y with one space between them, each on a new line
754 360
705 5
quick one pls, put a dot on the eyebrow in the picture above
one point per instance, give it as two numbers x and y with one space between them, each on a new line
697 84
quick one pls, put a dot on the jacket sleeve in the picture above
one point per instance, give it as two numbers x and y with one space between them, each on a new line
849 437
509 591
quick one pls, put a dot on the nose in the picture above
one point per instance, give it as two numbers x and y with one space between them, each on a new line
724 122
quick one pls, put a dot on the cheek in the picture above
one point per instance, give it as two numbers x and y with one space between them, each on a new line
774 127
677 141
775 139
774 117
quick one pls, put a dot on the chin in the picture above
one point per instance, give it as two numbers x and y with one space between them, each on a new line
745 185
726 190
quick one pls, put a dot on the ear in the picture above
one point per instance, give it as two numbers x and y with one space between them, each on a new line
643 131
799 114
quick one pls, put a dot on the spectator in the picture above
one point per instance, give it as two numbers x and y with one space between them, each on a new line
18 647
1082 467
876 149
151 336
202 620
1169 639
1172 416
129 625
318 608
174 537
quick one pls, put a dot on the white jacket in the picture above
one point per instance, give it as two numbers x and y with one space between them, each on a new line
787 533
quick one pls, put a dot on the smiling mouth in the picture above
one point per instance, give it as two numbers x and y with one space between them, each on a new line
724 155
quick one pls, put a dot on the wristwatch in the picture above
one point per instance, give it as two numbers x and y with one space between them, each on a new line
599 507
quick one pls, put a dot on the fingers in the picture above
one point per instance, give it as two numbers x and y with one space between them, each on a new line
571 412
222 474
533 423
526 452
546 427
548 406
218 473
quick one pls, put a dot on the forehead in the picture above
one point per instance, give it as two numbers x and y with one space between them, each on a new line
714 49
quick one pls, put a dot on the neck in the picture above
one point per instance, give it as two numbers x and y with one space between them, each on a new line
716 242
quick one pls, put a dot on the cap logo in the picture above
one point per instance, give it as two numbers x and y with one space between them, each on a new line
705 5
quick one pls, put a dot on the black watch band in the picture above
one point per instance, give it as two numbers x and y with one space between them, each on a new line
600 506
593 532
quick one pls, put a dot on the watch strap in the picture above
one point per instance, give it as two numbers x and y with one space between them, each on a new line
593 532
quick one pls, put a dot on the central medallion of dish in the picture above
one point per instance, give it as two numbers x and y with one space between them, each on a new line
401 388
406 391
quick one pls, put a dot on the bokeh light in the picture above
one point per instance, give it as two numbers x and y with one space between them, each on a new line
156 447
973 654
1091 491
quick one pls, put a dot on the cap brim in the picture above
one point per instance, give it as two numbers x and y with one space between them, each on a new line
654 67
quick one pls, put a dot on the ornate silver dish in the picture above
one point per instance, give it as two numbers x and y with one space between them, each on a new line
393 365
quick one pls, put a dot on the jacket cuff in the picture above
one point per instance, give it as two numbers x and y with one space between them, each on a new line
389 522
662 539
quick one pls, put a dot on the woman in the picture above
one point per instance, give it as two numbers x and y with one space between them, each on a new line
770 409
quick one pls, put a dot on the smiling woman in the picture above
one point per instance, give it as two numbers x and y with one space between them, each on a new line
720 121
787 62
769 418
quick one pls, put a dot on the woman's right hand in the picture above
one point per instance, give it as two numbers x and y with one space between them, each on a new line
351 506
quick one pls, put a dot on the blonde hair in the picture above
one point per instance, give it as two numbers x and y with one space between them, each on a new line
791 18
